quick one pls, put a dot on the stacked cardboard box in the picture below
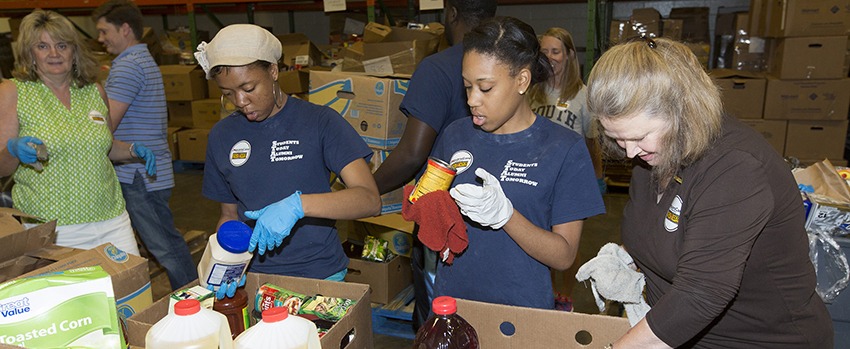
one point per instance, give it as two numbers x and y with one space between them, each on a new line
189 110
391 50
807 85
735 48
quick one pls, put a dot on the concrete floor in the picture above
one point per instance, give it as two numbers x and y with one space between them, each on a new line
192 211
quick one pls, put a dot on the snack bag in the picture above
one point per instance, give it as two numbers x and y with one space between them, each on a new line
269 296
328 308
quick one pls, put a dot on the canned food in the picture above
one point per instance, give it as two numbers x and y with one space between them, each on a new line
438 176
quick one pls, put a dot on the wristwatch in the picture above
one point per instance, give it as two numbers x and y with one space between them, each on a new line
609 346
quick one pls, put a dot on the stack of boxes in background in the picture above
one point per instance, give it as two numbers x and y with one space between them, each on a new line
688 25
784 72
807 84
190 114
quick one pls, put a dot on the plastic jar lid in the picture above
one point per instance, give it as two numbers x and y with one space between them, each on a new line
234 236
187 307
444 305
275 314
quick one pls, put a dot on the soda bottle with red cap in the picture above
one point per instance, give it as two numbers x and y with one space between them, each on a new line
445 329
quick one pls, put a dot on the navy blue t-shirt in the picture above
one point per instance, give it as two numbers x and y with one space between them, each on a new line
436 95
546 172
254 164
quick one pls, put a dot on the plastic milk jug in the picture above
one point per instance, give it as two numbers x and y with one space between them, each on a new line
278 330
190 327
226 256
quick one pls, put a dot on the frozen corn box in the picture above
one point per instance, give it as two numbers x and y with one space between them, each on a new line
73 308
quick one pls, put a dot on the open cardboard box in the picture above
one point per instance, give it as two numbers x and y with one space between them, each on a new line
15 258
505 327
385 280
358 318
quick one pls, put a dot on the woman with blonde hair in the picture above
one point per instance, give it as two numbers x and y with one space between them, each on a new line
55 100
714 219
562 97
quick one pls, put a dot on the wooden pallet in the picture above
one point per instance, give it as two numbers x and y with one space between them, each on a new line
396 318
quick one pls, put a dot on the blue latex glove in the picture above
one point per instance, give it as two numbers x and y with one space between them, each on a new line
227 288
19 148
144 153
274 223
603 187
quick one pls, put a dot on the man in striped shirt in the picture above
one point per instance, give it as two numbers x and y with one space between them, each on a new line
138 113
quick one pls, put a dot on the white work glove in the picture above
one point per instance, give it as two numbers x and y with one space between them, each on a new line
486 205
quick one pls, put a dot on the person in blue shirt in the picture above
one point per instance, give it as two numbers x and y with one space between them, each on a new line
138 113
538 179
272 160
434 99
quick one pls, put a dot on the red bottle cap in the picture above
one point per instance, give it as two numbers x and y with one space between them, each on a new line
187 307
275 314
444 305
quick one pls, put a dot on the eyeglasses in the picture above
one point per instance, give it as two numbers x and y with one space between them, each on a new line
643 37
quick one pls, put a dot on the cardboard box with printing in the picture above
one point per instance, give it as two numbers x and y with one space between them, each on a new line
807 99
800 18
816 139
192 144
184 82
31 252
206 112
505 327
368 103
807 58
742 92
356 324
772 130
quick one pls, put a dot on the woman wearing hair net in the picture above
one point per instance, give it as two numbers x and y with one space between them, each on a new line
272 159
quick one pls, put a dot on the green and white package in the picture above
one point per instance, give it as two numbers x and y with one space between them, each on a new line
70 309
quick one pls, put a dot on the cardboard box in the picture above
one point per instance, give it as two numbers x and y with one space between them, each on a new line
299 51
368 103
390 227
694 23
742 92
672 29
374 32
385 280
294 81
506 327
808 58
206 112
184 82
620 31
358 319
772 130
646 20
816 139
15 260
192 144
212 89
390 202
179 114
172 142
800 18
701 50
130 277
181 38
807 99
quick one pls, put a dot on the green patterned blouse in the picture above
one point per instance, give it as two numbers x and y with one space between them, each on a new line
78 183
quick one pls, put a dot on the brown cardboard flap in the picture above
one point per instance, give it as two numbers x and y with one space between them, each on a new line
724 73
538 328
825 180
395 221
18 243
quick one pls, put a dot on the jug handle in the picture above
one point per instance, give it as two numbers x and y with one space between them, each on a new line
225 338
313 339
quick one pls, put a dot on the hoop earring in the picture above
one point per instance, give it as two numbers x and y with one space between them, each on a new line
224 106
279 95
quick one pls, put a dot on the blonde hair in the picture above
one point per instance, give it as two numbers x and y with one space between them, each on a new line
571 79
59 28
664 82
